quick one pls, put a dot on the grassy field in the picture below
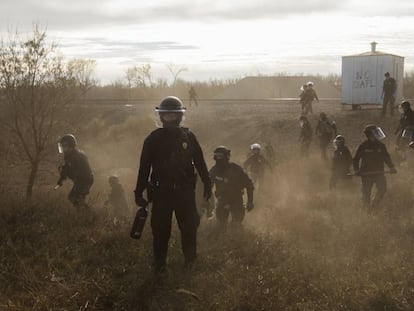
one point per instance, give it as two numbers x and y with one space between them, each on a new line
302 248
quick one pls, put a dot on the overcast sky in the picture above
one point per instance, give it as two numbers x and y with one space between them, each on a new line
218 39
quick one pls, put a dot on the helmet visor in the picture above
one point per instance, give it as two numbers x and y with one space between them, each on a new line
407 133
378 133
60 147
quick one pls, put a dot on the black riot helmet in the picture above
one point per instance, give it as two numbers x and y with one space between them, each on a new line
405 105
170 111
339 141
222 153
374 132
66 141
171 104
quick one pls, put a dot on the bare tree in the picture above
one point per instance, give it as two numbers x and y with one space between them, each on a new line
175 72
37 87
81 70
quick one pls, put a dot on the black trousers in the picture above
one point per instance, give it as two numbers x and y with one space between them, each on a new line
389 99
324 142
78 193
368 183
182 203
235 207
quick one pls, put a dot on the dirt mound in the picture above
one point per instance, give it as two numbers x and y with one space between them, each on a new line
276 87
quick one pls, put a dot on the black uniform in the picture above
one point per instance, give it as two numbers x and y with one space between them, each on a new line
76 168
255 165
305 138
230 182
389 88
326 129
369 162
341 164
406 121
306 98
170 155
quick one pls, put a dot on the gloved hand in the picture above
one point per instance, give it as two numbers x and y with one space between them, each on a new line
393 170
140 201
207 191
249 206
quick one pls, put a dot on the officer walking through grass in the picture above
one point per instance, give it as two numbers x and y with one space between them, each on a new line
341 162
168 158
230 180
76 167
256 164
305 137
369 164
326 130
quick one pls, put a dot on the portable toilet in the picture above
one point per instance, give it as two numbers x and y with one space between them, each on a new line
363 76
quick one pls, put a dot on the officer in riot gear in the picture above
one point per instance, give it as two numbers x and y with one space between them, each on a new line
341 162
405 129
256 165
168 158
369 164
76 167
230 180
305 137
326 130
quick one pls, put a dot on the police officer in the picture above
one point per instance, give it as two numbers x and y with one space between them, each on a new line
326 130
369 164
168 157
389 90
307 97
230 181
305 137
117 198
256 165
76 167
405 129
341 162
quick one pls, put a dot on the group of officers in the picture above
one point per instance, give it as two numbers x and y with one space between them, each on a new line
171 156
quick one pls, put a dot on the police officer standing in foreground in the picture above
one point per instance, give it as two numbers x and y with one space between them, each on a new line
76 168
369 164
168 157
230 180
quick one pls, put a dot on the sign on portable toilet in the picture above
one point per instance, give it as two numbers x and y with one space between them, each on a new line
363 76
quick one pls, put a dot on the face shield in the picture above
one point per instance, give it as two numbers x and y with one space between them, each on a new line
169 119
60 147
407 133
377 133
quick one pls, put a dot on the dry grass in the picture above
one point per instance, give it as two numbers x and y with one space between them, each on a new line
302 248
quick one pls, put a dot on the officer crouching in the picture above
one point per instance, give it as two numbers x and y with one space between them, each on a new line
168 158
230 181
76 168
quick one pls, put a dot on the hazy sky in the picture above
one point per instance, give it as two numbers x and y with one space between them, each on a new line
217 38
